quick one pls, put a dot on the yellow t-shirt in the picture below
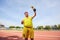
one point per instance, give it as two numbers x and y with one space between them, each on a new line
28 21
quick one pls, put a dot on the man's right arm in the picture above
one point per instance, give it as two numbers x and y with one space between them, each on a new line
22 22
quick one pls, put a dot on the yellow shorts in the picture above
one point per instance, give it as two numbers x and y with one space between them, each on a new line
28 32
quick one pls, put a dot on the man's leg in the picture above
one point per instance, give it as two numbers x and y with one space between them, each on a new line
31 34
27 34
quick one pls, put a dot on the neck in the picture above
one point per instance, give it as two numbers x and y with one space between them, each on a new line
27 16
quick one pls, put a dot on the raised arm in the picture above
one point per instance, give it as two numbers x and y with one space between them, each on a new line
34 12
34 15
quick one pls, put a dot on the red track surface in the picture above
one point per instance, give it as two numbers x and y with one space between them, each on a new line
38 35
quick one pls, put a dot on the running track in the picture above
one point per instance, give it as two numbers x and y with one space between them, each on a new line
38 35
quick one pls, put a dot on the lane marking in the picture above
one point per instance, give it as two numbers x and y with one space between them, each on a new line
46 36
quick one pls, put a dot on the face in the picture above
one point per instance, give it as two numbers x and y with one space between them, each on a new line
26 14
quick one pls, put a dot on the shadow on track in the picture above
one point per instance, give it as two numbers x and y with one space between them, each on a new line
11 38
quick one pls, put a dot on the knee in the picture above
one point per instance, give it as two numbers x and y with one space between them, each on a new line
32 38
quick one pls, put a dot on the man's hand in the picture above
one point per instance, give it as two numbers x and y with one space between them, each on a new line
22 22
34 10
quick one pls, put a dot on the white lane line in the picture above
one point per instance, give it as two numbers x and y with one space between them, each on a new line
46 36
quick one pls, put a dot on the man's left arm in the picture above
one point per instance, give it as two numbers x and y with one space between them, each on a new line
34 13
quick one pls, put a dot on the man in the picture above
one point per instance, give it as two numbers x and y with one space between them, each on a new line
28 26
